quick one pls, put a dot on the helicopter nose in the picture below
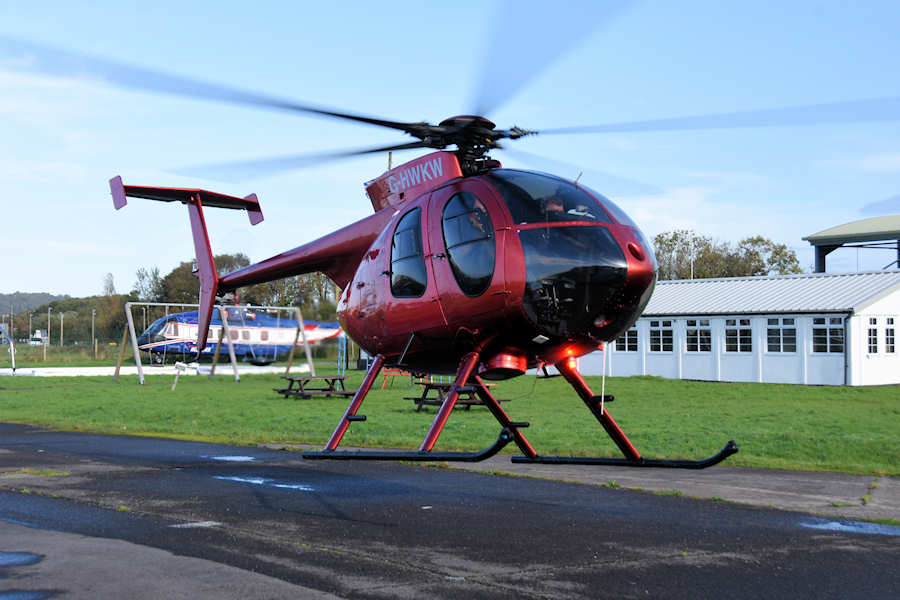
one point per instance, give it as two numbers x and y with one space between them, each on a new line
573 276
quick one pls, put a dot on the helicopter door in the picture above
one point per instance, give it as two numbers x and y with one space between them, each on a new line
467 234
412 304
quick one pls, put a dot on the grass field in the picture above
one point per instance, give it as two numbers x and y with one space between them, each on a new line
845 429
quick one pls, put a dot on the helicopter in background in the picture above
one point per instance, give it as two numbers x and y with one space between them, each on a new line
256 337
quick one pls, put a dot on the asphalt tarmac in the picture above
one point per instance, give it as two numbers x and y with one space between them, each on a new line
90 516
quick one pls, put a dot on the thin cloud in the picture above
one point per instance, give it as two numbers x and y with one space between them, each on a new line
882 207
881 163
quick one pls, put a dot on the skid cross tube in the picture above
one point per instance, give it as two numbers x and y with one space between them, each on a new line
632 458
508 434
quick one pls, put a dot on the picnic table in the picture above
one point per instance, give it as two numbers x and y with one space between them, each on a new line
306 386
435 392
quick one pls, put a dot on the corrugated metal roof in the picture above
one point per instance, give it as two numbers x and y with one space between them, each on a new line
875 228
806 293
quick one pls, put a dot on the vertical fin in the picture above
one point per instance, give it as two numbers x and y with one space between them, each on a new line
209 278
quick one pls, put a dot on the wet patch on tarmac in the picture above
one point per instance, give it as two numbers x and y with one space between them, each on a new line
852 527
232 458
21 559
25 595
18 559
266 482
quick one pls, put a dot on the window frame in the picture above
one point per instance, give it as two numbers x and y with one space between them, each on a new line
697 336
889 336
828 333
741 330
663 330
628 341
872 346
780 341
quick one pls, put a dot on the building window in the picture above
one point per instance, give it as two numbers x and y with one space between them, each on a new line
781 335
628 341
873 335
698 335
889 336
738 335
661 336
828 334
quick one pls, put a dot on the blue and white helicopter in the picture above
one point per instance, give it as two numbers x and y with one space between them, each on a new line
256 336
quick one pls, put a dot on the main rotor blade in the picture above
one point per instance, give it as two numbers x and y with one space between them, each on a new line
33 57
608 184
243 170
854 111
527 37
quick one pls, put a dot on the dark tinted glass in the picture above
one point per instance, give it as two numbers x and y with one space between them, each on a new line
469 239
571 275
538 198
408 279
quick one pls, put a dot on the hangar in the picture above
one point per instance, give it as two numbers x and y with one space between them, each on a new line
819 328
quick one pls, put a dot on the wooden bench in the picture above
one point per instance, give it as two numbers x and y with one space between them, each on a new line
434 393
307 386
390 372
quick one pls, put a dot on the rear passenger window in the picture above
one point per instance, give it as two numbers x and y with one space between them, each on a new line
408 278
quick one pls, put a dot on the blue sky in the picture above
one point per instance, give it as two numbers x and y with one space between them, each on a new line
61 139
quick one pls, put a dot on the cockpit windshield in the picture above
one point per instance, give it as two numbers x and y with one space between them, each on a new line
539 198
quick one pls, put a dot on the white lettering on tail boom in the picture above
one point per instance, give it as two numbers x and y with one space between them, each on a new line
415 175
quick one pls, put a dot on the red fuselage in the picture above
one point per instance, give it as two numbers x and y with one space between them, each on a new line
525 267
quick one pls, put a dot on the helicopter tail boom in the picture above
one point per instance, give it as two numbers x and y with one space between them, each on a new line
194 199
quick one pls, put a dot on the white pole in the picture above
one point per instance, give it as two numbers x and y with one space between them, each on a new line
134 343
223 313
309 360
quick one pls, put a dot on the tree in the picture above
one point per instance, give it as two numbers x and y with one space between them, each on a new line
314 293
108 287
149 285
682 254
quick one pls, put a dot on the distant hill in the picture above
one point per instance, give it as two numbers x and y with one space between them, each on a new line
22 301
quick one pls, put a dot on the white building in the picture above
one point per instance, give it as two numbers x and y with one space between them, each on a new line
829 329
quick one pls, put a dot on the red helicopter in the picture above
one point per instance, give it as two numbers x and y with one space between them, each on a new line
465 267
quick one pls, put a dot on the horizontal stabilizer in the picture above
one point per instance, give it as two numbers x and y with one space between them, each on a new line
186 196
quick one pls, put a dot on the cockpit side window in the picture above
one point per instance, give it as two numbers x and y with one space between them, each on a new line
408 278
537 198
469 240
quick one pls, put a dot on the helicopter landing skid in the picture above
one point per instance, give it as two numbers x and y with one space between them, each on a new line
466 381
509 433
730 448
632 458
503 439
